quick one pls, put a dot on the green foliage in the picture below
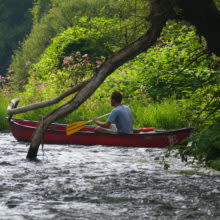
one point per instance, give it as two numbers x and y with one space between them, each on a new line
15 23
164 115
63 14
165 70
203 107
3 107
209 141
124 80
60 17
205 145
41 7
50 69
88 37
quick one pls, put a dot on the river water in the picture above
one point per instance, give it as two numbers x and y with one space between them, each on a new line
78 182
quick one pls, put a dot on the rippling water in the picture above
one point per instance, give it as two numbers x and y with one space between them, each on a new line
78 182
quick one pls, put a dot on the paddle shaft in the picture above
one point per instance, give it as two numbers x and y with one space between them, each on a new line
99 117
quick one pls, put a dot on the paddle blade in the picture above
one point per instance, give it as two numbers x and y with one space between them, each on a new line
76 124
69 132
72 128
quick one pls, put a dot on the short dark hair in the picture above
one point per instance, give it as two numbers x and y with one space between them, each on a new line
117 96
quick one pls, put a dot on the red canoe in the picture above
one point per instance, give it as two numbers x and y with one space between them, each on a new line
23 131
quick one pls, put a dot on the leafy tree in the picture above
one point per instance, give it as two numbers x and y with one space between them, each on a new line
41 7
63 14
15 23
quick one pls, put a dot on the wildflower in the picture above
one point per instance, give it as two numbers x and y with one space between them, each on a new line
124 72
22 81
28 63
67 60
85 56
3 79
42 85
99 62
10 71
75 65
78 53
84 62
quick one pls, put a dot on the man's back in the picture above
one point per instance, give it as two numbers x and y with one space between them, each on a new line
122 117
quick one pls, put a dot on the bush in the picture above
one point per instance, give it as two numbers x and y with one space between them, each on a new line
165 70
49 76
206 145
61 16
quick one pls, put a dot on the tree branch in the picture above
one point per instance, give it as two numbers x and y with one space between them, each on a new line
52 101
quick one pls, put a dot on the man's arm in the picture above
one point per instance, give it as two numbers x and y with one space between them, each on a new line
102 124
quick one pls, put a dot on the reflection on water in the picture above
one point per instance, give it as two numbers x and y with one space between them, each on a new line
77 182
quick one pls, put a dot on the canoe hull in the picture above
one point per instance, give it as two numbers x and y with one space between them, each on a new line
23 130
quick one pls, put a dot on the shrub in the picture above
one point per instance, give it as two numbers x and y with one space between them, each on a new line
50 69
206 145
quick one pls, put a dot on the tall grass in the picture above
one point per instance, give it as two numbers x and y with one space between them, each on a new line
3 108
164 115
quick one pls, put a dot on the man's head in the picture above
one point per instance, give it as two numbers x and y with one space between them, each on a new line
116 98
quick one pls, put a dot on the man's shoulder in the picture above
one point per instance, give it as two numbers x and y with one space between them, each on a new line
120 108
127 107
114 111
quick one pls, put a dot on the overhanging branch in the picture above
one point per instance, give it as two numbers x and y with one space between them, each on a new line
52 101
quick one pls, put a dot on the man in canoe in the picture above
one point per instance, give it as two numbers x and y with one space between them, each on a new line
121 116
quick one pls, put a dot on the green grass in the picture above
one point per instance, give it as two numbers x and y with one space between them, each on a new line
3 108
164 115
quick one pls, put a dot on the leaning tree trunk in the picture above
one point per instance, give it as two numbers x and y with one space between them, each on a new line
160 10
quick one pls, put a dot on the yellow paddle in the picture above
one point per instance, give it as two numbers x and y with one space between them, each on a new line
74 127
